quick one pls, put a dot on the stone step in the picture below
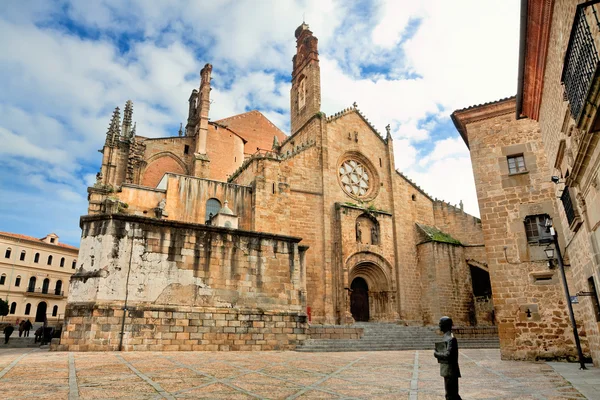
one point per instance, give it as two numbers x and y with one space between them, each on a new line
393 337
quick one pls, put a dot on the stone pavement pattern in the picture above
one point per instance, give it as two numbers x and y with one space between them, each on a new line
413 375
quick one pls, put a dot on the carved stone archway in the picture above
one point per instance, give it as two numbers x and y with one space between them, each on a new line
376 272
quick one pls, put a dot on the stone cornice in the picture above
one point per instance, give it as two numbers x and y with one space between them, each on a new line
462 118
533 50
185 225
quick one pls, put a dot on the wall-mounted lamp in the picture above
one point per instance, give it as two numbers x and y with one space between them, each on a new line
550 255
556 179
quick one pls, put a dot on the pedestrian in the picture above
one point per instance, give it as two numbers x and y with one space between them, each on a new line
446 353
7 332
28 327
38 334
21 327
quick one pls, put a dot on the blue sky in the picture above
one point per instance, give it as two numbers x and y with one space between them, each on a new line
65 65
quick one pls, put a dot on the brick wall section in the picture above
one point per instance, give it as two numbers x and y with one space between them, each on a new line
334 332
225 151
94 327
156 150
504 201
154 172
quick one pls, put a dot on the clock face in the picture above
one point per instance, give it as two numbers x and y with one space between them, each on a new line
354 178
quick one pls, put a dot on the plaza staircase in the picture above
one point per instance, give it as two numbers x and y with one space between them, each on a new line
393 337
19 342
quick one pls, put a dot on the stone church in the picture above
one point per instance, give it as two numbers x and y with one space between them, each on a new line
233 235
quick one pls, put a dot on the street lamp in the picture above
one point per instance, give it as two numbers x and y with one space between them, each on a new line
550 254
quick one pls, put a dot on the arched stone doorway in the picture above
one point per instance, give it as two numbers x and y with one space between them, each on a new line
371 296
40 314
359 300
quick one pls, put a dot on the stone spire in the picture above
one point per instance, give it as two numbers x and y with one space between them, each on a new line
305 93
388 130
133 130
114 129
275 143
180 129
127 117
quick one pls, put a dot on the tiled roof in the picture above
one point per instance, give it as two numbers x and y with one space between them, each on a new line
33 239
254 127
486 104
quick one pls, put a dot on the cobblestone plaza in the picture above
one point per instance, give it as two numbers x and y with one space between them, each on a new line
40 374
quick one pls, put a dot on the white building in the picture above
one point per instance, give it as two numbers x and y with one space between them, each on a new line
34 276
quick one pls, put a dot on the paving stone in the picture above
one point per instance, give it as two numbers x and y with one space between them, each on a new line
410 375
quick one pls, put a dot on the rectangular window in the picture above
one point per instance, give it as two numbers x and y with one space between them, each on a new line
568 205
22 258
535 229
186 149
516 164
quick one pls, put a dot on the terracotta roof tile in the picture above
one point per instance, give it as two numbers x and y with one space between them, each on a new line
34 239
254 127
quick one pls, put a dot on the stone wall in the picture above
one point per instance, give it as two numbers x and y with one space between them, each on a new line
529 302
457 223
564 144
446 283
97 327
149 266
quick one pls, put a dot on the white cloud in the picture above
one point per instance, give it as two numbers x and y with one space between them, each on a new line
59 89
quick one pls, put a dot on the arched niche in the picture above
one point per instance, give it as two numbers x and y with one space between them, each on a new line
160 164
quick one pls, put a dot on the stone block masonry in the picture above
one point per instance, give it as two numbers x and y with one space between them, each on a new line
97 327
184 287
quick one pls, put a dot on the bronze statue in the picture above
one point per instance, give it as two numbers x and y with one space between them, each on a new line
446 353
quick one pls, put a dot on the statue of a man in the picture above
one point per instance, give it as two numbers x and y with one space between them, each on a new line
358 233
446 353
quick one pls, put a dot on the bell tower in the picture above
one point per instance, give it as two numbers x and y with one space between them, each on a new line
305 96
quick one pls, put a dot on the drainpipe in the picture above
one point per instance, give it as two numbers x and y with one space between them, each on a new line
126 294
522 50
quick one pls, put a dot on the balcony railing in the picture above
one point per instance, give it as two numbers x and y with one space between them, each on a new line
44 292
581 58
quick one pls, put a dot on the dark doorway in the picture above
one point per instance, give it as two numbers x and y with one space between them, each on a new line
480 280
40 314
359 300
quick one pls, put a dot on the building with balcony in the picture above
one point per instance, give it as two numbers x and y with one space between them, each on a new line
34 276
535 156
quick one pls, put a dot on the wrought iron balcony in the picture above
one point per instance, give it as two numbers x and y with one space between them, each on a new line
45 292
581 58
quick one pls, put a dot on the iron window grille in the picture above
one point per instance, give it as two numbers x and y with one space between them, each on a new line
565 197
516 164
581 60
535 229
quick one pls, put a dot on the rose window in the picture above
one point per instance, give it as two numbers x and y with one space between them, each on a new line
354 178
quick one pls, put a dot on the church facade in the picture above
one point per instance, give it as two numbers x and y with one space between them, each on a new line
235 236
